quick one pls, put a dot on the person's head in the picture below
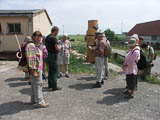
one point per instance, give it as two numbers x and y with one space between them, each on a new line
132 43
55 30
37 36
27 39
64 37
141 39
99 36
135 36
144 45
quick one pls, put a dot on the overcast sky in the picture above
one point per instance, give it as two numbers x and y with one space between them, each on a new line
118 15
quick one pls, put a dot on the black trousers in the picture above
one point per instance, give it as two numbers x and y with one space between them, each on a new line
131 81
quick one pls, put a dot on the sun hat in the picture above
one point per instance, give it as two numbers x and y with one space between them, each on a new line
132 42
135 36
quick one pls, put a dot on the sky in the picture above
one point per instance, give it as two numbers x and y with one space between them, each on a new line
117 15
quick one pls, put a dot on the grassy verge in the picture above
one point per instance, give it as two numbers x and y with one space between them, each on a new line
153 79
117 60
120 48
77 65
79 43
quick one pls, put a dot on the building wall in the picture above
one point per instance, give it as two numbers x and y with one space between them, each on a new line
8 41
149 39
41 23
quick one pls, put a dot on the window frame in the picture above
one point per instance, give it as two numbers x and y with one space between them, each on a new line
14 28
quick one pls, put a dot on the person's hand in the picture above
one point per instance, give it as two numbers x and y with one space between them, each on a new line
124 66
35 74
58 47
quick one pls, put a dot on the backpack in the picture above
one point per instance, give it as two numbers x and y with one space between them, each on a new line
142 63
108 50
22 65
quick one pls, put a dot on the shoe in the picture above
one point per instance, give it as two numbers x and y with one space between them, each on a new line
58 88
66 75
45 105
125 92
129 96
105 78
44 77
97 85
59 75
29 83
102 83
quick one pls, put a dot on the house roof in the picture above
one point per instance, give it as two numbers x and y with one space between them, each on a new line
24 13
146 29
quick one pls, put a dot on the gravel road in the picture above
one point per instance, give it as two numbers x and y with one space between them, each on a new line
78 100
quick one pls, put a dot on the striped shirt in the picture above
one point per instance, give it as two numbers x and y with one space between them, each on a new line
34 57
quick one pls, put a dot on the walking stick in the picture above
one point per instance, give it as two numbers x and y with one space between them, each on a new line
18 54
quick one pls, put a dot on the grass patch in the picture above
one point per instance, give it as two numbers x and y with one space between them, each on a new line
77 65
79 43
117 60
158 52
112 73
125 48
153 79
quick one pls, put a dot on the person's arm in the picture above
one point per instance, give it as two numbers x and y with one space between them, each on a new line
31 59
58 47
152 55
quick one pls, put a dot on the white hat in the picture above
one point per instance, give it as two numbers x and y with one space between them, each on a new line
135 36
132 42
65 34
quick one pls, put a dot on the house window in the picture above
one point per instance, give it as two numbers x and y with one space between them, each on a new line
154 38
14 28
0 29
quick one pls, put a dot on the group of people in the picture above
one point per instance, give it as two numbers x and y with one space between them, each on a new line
48 50
137 48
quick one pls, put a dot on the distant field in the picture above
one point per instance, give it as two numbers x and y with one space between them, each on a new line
77 37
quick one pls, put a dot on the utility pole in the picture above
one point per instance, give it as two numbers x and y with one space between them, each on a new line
122 27
63 29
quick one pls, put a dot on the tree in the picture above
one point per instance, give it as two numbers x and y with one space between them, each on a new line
109 34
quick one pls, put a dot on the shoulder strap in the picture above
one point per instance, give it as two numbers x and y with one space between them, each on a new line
134 50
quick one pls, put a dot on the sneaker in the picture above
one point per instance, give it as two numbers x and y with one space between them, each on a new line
45 105
102 82
55 89
105 78
97 85
59 75
129 96
67 75
125 92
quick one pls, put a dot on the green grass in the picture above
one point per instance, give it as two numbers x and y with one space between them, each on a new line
77 37
79 44
153 79
117 60
120 37
125 48
77 65
158 52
